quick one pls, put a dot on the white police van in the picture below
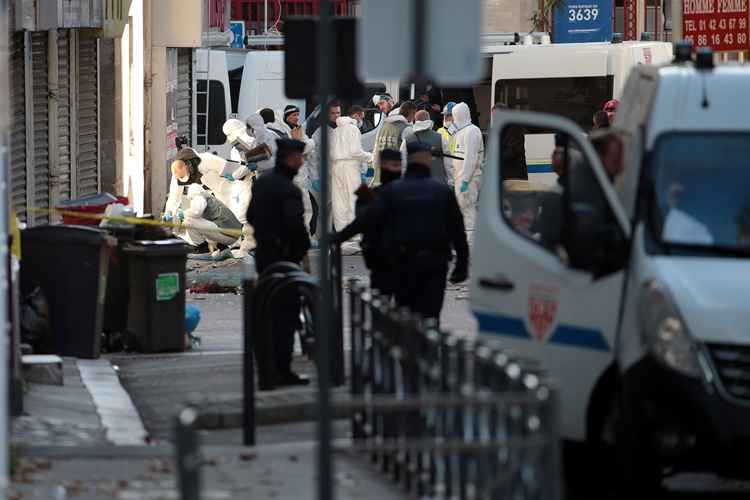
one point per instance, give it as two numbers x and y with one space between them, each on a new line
633 295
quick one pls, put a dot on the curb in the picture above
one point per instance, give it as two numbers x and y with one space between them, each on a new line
227 413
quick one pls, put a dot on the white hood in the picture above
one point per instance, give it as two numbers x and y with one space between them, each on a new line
461 115
711 295
396 118
255 122
423 125
345 120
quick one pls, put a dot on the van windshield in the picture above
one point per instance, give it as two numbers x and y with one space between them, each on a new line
702 186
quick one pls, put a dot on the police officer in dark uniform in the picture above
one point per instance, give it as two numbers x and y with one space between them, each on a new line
276 214
421 226
377 258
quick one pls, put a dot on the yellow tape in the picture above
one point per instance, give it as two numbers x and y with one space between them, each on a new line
133 220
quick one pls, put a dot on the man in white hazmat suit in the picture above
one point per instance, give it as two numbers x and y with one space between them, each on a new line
347 157
467 172
205 216
304 177
242 179
257 129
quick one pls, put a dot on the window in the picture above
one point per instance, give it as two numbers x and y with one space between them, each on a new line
217 113
535 208
688 170
235 83
576 98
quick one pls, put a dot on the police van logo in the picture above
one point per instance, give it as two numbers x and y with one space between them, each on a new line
542 312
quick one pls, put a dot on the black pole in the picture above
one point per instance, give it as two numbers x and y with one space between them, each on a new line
325 316
248 369
188 455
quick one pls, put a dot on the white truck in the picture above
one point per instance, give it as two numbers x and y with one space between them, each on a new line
632 293
241 83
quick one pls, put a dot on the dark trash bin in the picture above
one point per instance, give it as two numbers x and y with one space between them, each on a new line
156 311
69 264
116 301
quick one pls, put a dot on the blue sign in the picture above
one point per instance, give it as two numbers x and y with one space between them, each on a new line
579 21
238 28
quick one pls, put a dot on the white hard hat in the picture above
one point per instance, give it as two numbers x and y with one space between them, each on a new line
233 127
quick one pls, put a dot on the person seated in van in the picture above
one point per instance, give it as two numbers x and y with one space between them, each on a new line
679 225
521 208
610 107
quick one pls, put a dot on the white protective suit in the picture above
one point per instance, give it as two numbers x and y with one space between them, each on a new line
210 168
305 176
261 134
200 229
242 184
347 157
469 146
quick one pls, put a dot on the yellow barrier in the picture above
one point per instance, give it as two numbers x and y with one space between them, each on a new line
132 220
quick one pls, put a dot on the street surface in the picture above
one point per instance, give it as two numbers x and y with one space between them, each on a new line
161 384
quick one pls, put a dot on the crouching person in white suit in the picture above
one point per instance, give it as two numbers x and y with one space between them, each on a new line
206 217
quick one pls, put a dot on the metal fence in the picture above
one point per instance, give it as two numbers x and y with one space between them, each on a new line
447 417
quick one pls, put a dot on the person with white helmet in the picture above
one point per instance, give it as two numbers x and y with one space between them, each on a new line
242 179
264 138
467 172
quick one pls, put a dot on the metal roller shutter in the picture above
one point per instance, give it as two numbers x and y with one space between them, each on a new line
39 174
18 127
184 103
87 171
62 170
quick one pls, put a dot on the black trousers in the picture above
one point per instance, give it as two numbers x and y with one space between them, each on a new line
286 322
285 312
421 287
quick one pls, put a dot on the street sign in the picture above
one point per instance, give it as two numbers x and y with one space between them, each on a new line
581 21
395 37
301 58
721 25
238 30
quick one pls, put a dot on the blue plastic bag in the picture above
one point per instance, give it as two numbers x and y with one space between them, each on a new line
192 318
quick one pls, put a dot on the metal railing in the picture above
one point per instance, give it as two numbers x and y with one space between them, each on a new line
448 417
259 297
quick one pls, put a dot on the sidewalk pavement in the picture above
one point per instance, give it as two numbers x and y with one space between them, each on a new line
74 440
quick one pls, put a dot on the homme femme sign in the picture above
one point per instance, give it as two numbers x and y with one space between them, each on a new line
714 7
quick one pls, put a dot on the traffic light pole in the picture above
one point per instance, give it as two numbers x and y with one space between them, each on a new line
325 316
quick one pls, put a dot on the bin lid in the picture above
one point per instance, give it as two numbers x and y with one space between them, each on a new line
174 246
89 200
61 233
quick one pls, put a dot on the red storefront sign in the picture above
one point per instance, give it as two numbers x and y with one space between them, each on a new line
719 24
630 9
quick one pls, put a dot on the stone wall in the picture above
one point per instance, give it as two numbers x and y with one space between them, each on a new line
508 15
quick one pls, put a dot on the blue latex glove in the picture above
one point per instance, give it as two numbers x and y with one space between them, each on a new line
228 177
181 216
370 172
316 185
168 217
252 167
363 178
464 186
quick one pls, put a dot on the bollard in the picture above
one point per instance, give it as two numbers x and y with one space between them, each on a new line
248 368
188 455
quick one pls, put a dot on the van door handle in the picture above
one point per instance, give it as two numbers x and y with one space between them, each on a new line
497 284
